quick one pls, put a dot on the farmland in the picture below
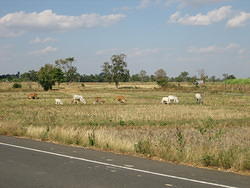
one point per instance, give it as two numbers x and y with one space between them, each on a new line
215 134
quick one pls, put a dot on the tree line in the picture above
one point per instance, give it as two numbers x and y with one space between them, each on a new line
64 70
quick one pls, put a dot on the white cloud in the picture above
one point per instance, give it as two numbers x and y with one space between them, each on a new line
133 52
6 33
214 49
198 2
188 59
107 51
145 3
232 46
239 20
138 52
14 24
180 3
40 40
124 8
213 16
209 49
43 51
242 51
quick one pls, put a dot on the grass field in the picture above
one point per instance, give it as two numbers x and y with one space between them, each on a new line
215 134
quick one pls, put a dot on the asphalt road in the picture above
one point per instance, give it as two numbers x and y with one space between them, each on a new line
27 163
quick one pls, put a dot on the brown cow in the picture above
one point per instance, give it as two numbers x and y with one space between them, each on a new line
32 96
99 100
120 99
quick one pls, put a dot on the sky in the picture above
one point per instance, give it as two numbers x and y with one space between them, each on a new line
175 35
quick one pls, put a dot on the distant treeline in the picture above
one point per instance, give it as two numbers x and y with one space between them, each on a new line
63 70
183 77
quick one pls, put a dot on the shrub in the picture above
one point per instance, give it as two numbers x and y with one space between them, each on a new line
144 147
180 139
162 83
91 138
209 160
122 123
17 85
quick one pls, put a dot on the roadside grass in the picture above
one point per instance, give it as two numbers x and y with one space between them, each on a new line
215 134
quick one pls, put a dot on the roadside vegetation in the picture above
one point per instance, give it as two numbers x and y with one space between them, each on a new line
214 134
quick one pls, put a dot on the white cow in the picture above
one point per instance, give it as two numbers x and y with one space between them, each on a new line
78 98
59 101
198 98
169 99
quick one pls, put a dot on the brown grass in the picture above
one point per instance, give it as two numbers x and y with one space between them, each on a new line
214 134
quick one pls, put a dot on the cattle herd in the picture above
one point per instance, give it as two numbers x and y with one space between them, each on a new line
120 99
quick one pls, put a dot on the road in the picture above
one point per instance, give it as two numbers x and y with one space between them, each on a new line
27 163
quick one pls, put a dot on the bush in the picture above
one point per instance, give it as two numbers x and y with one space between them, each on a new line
209 160
17 85
91 138
162 83
143 147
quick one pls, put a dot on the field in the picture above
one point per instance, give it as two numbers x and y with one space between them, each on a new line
215 134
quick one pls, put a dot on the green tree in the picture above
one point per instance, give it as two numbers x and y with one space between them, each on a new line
107 72
116 70
29 76
135 78
47 76
183 77
59 75
228 76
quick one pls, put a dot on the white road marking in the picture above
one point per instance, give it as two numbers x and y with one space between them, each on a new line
169 185
117 166
128 165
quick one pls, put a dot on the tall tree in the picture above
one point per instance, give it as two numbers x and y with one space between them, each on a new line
160 74
70 71
107 73
59 75
143 75
202 75
47 76
116 70
161 78
183 77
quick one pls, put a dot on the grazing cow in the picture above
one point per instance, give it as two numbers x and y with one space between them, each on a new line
170 99
78 98
198 98
59 101
99 100
120 99
32 96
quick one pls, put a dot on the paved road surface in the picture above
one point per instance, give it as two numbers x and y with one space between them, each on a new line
26 163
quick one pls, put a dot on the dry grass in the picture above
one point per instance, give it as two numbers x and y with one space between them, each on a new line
216 133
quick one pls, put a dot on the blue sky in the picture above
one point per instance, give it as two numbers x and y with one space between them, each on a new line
176 35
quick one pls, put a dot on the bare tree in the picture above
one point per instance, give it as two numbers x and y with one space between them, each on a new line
143 75
202 75
161 78
160 74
